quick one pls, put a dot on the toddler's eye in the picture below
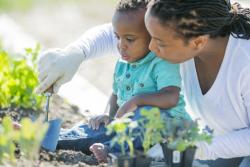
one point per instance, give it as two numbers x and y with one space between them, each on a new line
130 39
117 37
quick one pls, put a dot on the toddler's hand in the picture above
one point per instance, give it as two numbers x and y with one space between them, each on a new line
129 106
16 125
95 122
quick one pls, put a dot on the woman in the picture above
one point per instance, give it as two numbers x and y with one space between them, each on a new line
209 38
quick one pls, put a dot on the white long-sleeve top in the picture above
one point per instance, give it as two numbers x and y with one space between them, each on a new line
97 41
225 107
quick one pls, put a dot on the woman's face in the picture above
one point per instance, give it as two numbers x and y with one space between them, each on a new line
165 42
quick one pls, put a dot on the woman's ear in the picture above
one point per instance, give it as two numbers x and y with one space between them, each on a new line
199 42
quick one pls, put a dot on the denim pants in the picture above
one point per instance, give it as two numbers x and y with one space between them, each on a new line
81 137
233 162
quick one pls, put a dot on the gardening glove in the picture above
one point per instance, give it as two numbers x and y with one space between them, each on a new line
56 67
95 121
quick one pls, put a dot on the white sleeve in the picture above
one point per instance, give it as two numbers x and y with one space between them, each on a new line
96 42
236 143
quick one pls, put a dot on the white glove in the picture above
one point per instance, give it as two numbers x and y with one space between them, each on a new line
56 67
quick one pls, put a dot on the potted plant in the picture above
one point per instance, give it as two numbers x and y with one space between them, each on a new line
123 128
176 136
150 133
180 137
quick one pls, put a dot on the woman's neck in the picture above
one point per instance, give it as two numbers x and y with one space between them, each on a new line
214 51
209 61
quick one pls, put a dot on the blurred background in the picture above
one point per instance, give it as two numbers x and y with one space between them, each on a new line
56 23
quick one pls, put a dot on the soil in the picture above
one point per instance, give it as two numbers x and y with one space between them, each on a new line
70 115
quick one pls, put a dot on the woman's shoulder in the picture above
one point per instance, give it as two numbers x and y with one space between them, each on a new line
237 62
238 53
241 48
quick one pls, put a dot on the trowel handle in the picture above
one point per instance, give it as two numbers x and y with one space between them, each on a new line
49 91
47 94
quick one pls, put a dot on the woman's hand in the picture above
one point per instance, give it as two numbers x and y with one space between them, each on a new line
129 106
56 67
95 122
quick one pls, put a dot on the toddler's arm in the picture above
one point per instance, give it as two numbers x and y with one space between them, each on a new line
166 98
108 114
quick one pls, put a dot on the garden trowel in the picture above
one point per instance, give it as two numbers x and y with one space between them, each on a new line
50 140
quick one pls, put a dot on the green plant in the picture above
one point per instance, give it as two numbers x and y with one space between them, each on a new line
177 134
14 4
27 138
18 79
7 136
123 128
181 134
153 125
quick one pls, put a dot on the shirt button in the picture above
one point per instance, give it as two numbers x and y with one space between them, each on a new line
127 75
133 66
128 88
141 85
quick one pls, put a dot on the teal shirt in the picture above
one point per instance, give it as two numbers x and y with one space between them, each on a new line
147 75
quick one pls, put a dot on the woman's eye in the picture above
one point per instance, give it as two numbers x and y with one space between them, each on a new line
162 45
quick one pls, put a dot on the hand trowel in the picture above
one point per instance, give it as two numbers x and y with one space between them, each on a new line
50 140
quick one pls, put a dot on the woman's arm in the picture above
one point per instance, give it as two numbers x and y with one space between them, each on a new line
231 145
58 66
96 42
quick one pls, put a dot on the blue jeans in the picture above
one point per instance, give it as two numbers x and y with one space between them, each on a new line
81 137
233 162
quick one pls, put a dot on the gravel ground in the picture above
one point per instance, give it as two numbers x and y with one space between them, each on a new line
59 108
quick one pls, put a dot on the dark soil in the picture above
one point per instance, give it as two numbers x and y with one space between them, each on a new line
70 115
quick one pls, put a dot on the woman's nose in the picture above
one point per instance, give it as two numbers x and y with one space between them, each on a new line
151 45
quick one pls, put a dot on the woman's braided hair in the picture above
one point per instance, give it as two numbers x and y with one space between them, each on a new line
131 5
217 18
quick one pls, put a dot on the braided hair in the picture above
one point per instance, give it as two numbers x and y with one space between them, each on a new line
131 5
216 18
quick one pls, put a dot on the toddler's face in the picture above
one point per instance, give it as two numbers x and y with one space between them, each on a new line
133 37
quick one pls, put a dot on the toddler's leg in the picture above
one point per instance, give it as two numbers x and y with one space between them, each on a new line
80 138
100 151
